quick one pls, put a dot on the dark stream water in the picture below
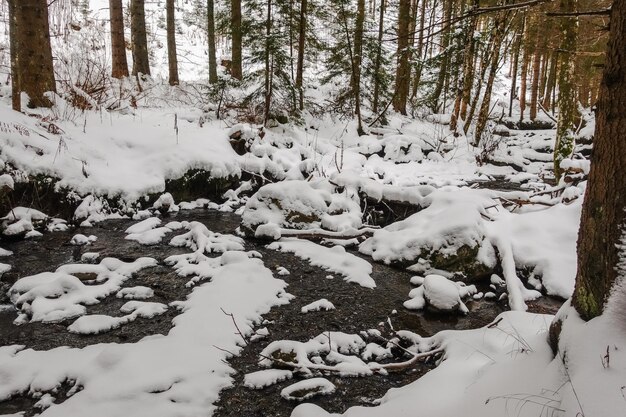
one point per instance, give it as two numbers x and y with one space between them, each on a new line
357 309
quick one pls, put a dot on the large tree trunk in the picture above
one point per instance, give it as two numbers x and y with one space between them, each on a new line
564 146
211 41
443 68
34 53
301 44
402 69
237 35
603 222
172 59
119 65
419 50
139 38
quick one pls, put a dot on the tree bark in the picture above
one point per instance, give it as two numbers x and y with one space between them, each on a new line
402 68
420 50
379 52
34 53
301 44
16 98
534 87
237 35
357 59
119 65
139 38
211 41
564 146
603 222
172 58
268 69
483 113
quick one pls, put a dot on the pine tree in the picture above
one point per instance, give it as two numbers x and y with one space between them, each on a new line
237 36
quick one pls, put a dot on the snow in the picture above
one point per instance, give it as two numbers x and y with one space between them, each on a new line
165 202
143 226
335 259
6 181
20 221
135 293
319 305
316 386
60 295
184 366
81 240
266 377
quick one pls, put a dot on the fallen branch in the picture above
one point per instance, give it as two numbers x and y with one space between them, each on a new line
326 234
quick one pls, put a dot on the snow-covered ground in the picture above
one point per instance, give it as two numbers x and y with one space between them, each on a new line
316 190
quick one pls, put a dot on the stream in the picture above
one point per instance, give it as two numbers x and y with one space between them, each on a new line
357 309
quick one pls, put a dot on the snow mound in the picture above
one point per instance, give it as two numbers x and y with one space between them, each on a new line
266 377
61 295
21 221
441 294
319 305
82 240
334 259
202 240
308 388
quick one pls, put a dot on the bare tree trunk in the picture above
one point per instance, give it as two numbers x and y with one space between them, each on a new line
564 146
547 96
603 222
357 59
379 52
402 68
301 44
443 68
525 64
34 53
483 113
235 23
16 98
139 38
268 69
516 49
119 65
211 40
534 87
420 50
172 59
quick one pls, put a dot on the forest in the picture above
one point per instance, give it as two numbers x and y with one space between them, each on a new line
312 208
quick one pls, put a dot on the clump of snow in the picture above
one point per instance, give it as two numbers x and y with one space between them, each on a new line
319 305
60 295
334 259
165 203
21 221
202 240
92 210
440 293
266 377
4 268
308 388
81 240
4 252
144 225
281 270
135 293
89 256
6 181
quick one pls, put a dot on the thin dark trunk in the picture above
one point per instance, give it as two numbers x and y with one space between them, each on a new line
379 52
172 58
16 98
211 40
301 44
268 69
402 69
235 23
514 72
420 50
